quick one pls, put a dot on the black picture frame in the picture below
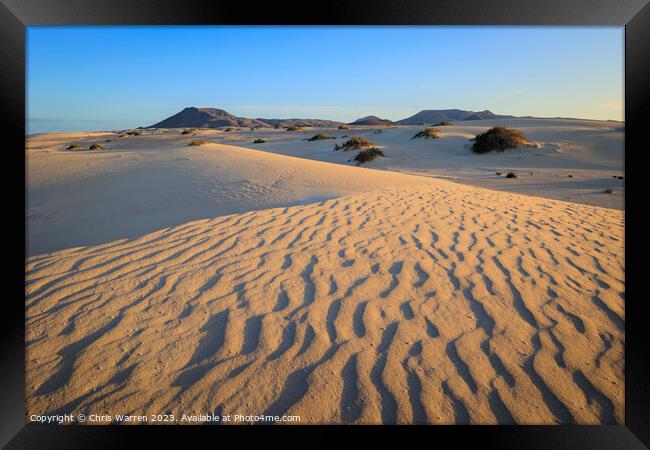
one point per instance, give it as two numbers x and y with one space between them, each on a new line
15 15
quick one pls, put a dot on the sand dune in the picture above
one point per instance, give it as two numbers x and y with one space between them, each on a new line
141 184
423 303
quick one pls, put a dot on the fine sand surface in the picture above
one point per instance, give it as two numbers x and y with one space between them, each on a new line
434 303
279 278
142 184
139 184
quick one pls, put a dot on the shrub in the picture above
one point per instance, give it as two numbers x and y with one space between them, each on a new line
231 129
570 176
368 155
293 128
499 173
620 177
95 147
132 133
354 143
320 137
511 175
609 190
108 140
73 146
498 139
197 142
427 133
190 131
377 131
259 141
344 127
443 123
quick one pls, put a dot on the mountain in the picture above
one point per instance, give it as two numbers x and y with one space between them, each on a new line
193 117
448 115
372 120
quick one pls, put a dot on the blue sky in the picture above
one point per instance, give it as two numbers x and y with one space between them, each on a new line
94 78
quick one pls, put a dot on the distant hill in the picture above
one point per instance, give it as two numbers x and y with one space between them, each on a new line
372 120
193 117
439 115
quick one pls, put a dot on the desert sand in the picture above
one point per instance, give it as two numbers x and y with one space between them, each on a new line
219 279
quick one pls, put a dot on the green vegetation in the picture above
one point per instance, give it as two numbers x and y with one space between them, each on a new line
498 139
368 155
320 137
354 143
427 133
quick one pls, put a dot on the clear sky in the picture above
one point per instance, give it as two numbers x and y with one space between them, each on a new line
94 78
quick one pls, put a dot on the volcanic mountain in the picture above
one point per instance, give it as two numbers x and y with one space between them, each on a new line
448 115
372 120
193 117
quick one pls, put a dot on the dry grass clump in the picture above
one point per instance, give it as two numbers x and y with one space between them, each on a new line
259 141
108 140
73 146
344 127
368 155
443 123
190 131
133 133
427 133
95 147
293 128
511 175
231 129
354 143
197 142
320 137
498 139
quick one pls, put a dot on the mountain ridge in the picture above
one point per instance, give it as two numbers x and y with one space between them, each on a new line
194 117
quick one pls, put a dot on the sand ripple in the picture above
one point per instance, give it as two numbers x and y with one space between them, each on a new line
436 304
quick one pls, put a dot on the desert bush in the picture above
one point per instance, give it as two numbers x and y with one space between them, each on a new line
354 143
511 175
499 173
293 128
443 123
231 129
73 146
609 190
190 131
344 127
377 131
196 143
95 147
498 139
259 141
368 155
132 133
108 140
427 133
320 137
